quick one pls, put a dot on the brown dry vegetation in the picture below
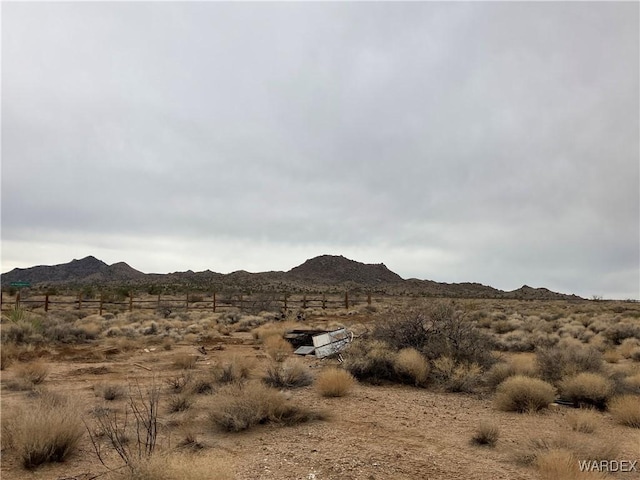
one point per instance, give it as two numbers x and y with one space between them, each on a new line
426 373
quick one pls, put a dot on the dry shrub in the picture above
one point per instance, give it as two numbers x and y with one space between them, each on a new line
632 383
411 366
180 467
523 394
185 361
179 403
456 377
334 382
487 434
110 391
561 464
234 369
239 407
625 410
48 431
583 420
439 330
611 356
274 330
291 373
8 353
628 347
370 361
524 364
278 348
566 359
28 375
587 389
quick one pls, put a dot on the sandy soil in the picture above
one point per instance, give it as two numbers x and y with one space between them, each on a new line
377 432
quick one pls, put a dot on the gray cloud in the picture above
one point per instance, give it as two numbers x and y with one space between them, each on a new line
491 142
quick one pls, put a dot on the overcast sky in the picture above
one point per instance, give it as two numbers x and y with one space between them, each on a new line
483 142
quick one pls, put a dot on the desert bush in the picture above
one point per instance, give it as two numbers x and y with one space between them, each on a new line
523 394
277 348
110 391
239 407
455 377
235 369
22 332
370 361
521 365
583 420
625 410
628 347
143 406
487 433
411 367
561 464
179 403
202 385
31 374
437 331
8 353
567 359
587 388
334 382
611 356
291 373
44 432
185 361
620 331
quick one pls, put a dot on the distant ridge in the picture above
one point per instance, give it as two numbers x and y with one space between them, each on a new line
316 274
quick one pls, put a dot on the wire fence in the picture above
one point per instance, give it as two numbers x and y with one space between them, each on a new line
214 302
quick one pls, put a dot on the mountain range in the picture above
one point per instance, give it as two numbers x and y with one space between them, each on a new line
326 272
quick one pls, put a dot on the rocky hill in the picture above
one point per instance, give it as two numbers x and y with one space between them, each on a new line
323 273
332 269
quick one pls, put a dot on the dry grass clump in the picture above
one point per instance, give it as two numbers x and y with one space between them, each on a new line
179 403
180 467
234 369
583 420
239 407
48 431
110 391
456 377
523 364
487 434
625 410
185 361
587 389
411 366
28 375
277 348
523 394
561 464
291 373
8 353
334 382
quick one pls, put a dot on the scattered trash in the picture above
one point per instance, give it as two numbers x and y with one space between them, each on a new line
320 343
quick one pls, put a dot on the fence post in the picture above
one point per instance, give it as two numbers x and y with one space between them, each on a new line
80 301
158 306
369 298
187 302
18 299
346 300
214 301
101 302
324 301
285 302
46 302
304 301
131 301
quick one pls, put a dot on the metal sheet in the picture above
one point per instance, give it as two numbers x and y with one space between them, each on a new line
305 350
331 343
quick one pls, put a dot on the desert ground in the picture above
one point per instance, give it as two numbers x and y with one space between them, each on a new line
90 389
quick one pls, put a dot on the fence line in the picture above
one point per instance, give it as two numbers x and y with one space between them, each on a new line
213 303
